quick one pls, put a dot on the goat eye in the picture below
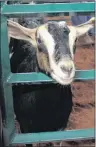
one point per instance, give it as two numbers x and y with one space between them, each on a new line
39 40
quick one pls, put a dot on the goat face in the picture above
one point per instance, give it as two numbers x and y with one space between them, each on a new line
54 43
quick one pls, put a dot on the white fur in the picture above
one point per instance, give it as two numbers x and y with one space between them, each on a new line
10 55
83 30
62 24
76 32
48 40
72 38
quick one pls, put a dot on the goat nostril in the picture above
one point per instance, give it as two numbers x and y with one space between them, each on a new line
67 70
70 70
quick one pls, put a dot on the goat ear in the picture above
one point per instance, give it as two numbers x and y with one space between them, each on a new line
15 30
85 27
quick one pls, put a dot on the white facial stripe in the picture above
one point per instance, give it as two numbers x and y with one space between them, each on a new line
50 44
48 40
72 38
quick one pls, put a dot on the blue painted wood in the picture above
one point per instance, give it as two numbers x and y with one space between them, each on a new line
54 136
24 9
40 77
8 77
9 126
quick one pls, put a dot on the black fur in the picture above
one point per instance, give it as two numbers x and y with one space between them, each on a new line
38 108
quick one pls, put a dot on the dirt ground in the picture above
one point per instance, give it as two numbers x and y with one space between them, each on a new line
82 115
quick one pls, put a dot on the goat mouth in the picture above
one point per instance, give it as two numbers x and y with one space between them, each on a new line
60 80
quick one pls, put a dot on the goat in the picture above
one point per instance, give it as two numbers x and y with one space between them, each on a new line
48 48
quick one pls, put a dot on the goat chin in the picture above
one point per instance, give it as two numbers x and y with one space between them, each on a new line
62 81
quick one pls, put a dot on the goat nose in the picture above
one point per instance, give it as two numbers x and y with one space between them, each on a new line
67 70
